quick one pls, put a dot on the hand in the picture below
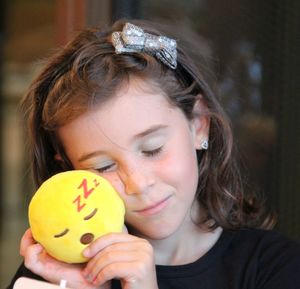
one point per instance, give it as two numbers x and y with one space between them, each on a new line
38 261
121 256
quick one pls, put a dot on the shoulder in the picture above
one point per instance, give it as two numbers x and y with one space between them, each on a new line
273 258
263 244
245 258
263 240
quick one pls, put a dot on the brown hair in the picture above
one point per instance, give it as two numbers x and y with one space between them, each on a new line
87 71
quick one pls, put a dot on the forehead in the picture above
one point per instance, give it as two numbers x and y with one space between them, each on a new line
135 108
134 99
134 103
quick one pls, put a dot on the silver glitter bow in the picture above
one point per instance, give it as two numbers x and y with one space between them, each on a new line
134 39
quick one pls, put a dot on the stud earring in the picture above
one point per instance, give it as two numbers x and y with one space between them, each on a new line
204 145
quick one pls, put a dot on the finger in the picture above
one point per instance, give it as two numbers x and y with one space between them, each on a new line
32 257
120 271
140 252
138 245
105 241
99 263
26 241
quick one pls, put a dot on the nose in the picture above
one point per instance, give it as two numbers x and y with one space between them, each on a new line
137 180
86 238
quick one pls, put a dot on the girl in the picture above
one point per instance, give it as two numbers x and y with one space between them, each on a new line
130 105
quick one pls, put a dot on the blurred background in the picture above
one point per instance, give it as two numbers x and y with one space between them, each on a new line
253 48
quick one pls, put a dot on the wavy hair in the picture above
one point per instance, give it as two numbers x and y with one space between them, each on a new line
87 72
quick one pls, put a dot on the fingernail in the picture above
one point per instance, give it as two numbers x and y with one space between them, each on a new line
95 281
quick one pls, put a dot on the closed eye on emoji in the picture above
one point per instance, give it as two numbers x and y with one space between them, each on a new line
61 234
91 215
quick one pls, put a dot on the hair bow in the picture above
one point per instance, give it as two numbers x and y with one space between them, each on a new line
134 39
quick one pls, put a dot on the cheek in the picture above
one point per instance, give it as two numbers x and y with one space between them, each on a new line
179 165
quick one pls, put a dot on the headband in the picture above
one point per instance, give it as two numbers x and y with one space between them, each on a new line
133 39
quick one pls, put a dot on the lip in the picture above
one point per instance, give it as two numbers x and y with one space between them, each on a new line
155 208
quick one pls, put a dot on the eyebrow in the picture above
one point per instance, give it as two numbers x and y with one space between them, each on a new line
140 135
150 131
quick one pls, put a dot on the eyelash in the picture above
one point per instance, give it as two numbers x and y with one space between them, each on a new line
153 153
104 169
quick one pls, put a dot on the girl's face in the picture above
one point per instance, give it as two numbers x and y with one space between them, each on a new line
147 149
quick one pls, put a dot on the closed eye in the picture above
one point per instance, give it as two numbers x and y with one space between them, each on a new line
92 214
61 234
105 168
152 153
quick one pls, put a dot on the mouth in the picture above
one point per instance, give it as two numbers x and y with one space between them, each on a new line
155 208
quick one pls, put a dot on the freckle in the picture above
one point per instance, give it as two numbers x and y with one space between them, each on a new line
86 238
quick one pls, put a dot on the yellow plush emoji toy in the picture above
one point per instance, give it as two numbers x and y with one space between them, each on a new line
70 210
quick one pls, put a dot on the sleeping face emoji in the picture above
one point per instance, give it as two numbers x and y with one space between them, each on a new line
72 209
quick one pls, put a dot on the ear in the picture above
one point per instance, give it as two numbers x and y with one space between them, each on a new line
200 123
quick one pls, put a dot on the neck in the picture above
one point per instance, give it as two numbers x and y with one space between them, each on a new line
186 245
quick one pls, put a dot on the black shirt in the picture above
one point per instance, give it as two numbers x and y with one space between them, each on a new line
243 259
